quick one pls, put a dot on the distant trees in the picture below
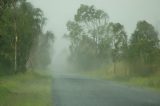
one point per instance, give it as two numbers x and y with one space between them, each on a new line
86 33
41 57
95 41
29 23
95 37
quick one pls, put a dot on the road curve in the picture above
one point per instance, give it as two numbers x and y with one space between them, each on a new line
74 90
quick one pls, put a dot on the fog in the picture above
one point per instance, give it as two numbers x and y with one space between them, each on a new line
127 12
79 52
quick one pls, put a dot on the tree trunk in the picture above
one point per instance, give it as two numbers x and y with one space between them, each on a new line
114 67
16 37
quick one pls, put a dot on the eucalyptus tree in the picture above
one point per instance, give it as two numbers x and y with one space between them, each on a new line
118 42
5 4
29 26
42 55
6 36
81 46
85 33
75 33
144 44
144 41
92 19
28 23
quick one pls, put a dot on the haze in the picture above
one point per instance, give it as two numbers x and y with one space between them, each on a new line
127 12
87 53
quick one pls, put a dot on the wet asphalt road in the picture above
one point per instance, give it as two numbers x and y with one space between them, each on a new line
74 90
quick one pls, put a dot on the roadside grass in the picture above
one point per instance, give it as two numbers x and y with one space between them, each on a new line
106 73
29 89
152 82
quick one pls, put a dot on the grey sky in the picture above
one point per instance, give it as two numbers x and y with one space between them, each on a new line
127 12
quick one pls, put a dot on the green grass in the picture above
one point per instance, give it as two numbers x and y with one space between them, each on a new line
149 82
29 89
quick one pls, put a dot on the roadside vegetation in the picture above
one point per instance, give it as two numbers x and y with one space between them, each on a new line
22 37
29 89
151 82
24 46
103 48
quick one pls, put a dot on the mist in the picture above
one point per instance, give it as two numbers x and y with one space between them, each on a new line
79 52
127 12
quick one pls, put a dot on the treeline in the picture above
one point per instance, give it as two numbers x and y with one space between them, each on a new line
97 42
23 43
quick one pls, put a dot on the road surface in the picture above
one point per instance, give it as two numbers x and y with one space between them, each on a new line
76 90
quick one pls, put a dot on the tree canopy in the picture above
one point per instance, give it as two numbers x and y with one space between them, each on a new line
21 26
96 41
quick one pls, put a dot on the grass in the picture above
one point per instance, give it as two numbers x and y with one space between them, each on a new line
148 82
151 82
29 89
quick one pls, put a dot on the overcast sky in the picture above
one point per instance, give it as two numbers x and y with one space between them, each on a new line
127 12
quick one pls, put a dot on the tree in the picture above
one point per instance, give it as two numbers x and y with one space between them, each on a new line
144 43
86 33
6 40
118 42
92 20
42 57
29 22
5 4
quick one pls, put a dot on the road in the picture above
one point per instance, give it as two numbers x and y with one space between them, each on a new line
76 90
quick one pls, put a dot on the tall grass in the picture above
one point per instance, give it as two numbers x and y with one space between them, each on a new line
125 73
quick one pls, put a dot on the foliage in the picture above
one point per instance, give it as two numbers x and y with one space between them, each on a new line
144 46
42 54
21 27
86 34
96 42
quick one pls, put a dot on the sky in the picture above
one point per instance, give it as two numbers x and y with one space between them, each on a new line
127 12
